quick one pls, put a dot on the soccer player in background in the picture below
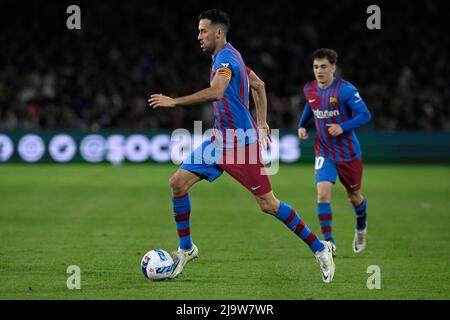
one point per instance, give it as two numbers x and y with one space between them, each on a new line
338 110
229 93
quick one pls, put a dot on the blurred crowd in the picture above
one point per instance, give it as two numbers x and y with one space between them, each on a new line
100 77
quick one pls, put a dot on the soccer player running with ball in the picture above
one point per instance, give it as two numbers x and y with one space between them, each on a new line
229 94
332 102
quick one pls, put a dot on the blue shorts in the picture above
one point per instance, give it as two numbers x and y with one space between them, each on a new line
209 161
202 162
349 172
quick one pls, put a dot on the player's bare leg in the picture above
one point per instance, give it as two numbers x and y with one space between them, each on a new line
355 197
180 183
288 215
359 204
268 203
324 189
324 212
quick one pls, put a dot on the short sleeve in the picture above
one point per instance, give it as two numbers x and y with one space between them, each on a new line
225 64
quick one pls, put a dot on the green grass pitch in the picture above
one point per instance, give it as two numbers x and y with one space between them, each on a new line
103 219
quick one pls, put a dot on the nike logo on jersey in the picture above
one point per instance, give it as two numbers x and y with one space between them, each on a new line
256 188
311 100
353 185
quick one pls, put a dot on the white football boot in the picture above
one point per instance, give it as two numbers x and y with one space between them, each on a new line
326 263
181 258
360 240
333 249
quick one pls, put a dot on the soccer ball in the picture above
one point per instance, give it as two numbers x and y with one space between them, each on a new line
157 264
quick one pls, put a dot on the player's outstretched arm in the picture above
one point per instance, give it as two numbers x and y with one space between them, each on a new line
215 92
260 98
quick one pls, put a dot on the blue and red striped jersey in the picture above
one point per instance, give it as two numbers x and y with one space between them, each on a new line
339 103
232 111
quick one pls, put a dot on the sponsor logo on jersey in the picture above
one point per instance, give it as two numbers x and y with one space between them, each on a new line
323 114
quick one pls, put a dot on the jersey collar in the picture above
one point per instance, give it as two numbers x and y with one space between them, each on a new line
331 84
214 56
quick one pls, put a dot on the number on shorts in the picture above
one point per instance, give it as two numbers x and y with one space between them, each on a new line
319 162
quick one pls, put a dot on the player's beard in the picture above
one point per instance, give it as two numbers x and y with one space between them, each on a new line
211 48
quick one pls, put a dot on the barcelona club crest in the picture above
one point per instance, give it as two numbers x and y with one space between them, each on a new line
333 101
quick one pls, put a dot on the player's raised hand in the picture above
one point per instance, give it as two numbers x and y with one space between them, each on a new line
158 100
264 132
334 129
303 134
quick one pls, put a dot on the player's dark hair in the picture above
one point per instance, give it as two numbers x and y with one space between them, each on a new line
325 53
217 17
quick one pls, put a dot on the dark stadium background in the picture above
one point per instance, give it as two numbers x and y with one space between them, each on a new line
100 77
